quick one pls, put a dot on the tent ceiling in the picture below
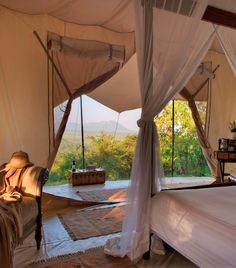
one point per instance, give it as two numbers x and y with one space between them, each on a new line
217 47
228 5
116 15
122 92
113 14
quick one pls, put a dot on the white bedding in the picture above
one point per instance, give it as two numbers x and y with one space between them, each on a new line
199 223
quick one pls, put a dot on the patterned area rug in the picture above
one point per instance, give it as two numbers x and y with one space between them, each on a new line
111 195
96 222
93 258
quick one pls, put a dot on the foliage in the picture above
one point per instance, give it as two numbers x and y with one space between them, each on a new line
188 157
104 150
59 171
115 154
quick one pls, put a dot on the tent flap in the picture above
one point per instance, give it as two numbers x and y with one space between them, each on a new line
86 49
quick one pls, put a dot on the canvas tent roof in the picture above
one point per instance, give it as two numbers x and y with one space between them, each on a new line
126 84
122 91
113 14
24 68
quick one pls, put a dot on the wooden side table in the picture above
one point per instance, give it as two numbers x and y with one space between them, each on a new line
225 157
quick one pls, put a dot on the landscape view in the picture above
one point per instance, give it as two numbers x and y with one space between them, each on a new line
110 145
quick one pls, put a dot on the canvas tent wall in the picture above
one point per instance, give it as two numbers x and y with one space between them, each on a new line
27 96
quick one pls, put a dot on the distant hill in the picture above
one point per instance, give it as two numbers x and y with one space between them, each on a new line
105 126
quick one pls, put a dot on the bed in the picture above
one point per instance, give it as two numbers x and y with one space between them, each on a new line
199 223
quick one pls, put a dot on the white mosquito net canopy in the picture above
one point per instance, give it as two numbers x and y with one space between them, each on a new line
51 52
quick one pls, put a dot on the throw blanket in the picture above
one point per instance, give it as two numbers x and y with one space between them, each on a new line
10 183
11 226
11 229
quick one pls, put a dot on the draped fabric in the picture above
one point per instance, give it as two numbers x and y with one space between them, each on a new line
86 49
222 107
79 66
202 138
167 57
227 39
62 121
10 231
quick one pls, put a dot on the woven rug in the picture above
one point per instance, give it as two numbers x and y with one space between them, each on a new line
89 223
94 258
111 195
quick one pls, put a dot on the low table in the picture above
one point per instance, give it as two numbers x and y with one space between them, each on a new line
86 177
225 157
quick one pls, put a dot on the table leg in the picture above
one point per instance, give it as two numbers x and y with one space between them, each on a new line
222 171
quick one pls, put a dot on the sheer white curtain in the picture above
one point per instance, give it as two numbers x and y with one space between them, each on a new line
170 46
227 39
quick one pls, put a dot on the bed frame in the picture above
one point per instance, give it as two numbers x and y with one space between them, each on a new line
213 185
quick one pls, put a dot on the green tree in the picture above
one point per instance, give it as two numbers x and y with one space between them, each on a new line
102 151
126 154
188 158
62 164
115 155
112 154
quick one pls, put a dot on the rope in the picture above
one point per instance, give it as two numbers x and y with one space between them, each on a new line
76 122
208 110
224 48
52 96
117 122
49 110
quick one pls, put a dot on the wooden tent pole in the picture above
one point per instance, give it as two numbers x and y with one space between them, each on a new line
173 137
82 131
53 63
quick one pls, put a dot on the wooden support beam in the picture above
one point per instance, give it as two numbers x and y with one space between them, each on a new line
219 16
53 63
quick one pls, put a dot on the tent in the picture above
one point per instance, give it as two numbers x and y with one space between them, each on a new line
26 80
52 52
26 74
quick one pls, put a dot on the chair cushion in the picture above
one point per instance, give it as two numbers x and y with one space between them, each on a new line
29 209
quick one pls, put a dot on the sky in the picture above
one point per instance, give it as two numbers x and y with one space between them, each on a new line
94 111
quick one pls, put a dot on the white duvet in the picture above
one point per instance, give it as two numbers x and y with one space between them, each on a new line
200 224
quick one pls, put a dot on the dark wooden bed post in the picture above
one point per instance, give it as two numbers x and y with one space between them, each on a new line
146 255
43 177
